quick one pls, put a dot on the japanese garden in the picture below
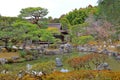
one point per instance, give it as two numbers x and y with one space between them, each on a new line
83 44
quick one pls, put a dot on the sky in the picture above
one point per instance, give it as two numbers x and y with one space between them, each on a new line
55 7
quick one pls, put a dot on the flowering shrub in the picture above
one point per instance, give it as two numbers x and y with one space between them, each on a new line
84 75
8 77
80 62
73 75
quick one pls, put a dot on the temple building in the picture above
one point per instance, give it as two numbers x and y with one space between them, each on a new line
58 27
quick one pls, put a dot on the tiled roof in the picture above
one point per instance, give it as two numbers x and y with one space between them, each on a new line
57 25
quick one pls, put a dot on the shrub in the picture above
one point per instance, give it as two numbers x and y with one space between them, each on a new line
3 50
7 77
118 47
10 60
21 60
22 53
53 46
84 75
28 57
45 67
80 62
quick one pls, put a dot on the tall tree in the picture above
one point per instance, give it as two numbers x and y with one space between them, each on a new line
7 32
34 13
65 23
26 31
76 31
110 11
78 16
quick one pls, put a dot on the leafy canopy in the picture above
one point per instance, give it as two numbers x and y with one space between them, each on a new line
33 12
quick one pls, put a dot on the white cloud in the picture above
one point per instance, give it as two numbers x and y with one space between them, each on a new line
55 7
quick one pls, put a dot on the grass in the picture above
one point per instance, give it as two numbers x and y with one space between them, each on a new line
8 55
115 65
16 67
42 59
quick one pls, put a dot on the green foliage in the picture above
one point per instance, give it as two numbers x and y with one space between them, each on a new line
43 23
35 14
65 23
82 39
45 67
46 36
78 16
7 21
33 11
22 53
76 31
7 31
85 39
110 11
25 30
75 22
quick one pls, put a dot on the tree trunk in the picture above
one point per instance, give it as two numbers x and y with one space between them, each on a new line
6 44
24 44
48 44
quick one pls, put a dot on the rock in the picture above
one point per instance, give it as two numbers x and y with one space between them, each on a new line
68 47
103 66
99 67
61 50
5 71
28 66
62 46
20 48
93 50
1 48
118 57
80 48
58 62
20 74
64 70
14 47
42 49
40 73
15 58
3 60
105 51
52 52
114 54
112 46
